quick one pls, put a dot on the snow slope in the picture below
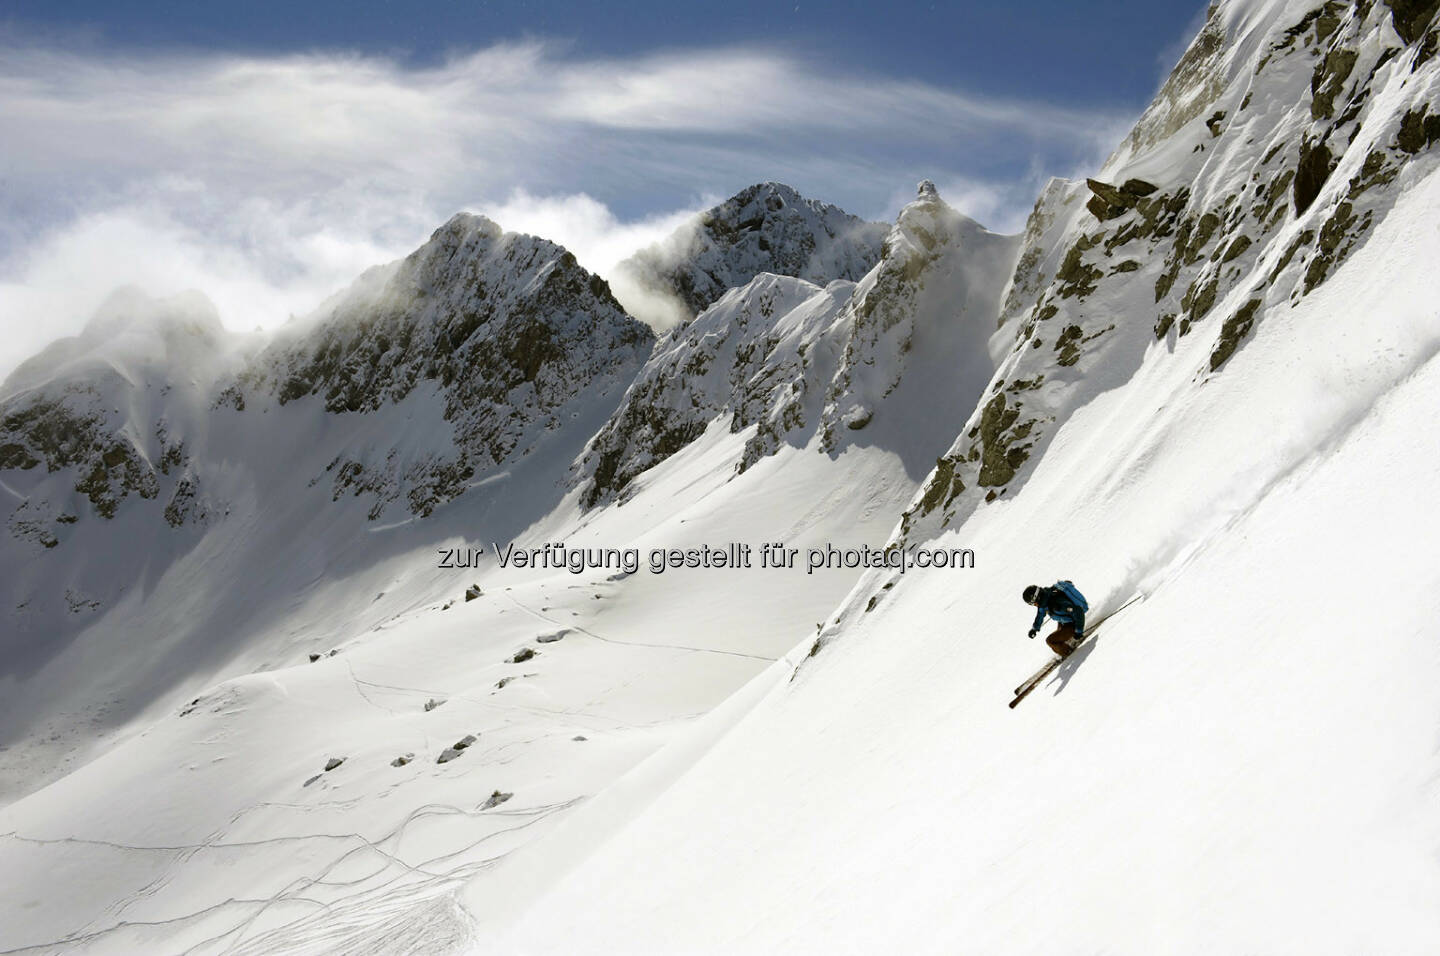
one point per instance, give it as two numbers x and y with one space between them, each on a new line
1242 761
214 835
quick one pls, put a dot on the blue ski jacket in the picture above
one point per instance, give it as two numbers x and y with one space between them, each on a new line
1056 603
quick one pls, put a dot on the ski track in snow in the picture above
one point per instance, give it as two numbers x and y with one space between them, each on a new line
291 893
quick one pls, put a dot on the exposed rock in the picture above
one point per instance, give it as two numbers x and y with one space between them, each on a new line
333 762
1411 17
858 418
1235 249
495 800
998 459
431 704
1418 130
455 750
521 656
1234 329
1328 81
1337 236
473 592
1110 201
1310 175
402 760
1076 277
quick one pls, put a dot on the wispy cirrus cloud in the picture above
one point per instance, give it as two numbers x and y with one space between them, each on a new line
267 182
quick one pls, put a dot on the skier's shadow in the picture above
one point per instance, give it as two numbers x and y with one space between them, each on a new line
1067 669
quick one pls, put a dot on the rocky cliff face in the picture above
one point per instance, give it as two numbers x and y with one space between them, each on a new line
797 362
505 333
1279 141
110 414
768 227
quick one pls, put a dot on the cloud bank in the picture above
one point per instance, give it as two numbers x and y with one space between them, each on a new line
270 182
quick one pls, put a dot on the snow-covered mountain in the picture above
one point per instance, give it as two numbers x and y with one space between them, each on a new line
886 361
176 487
768 227
327 604
505 335
1199 385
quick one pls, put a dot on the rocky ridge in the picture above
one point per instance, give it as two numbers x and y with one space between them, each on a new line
797 361
506 332
1277 143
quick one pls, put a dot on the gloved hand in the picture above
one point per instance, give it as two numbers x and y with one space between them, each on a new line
1033 632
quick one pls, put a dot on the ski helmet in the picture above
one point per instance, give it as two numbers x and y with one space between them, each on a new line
1032 592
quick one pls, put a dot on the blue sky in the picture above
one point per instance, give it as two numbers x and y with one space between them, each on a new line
267 152
1059 51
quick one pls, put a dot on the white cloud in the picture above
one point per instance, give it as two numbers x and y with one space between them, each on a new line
268 182
586 226
599 240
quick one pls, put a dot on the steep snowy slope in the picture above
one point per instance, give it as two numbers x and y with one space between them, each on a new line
887 361
1245 759
1225 769
768 227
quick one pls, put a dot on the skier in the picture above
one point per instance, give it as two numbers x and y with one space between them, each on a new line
1067 606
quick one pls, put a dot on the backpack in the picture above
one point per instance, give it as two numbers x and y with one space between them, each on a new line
1073 594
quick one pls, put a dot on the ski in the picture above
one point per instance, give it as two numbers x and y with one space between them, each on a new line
1033 682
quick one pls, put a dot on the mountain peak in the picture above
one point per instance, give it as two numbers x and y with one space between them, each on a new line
468 223
768 188
767 227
